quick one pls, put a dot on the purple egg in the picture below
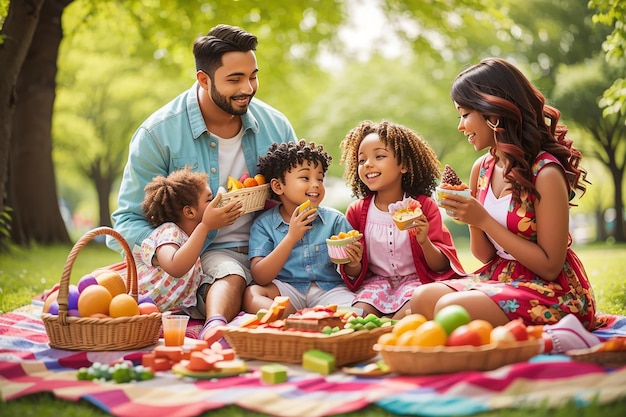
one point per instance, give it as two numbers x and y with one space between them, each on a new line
54 308
86 281
73 313
72 297
145 299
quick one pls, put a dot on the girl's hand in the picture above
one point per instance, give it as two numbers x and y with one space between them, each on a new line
355 253
217 218
420 231
301 222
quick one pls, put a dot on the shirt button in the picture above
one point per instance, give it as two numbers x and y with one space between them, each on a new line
213 170
213 144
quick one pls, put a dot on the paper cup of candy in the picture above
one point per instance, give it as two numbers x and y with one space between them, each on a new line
337 247
404 213
442 192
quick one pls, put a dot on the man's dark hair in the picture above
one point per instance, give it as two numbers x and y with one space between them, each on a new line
208 50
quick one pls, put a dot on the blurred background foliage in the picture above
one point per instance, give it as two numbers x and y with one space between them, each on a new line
328 64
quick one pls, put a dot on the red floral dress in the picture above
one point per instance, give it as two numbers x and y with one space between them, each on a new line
515 288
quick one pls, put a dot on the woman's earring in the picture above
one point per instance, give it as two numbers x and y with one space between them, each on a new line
493 127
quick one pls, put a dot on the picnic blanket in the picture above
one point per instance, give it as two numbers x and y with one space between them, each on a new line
28 365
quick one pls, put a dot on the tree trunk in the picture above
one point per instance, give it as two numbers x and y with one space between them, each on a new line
32 189
104 185
619 233
17 33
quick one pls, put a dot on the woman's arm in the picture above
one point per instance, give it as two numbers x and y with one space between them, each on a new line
480 245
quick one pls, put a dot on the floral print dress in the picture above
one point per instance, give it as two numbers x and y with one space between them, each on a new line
169 293
515 288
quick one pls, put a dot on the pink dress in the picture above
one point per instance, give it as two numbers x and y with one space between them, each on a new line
518 290
393 261
169 293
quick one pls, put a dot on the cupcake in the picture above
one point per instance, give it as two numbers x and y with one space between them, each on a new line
337 246
451 184
405 212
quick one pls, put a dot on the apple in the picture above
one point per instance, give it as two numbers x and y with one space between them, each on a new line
518 329
86 281
501 334
452 316
463 336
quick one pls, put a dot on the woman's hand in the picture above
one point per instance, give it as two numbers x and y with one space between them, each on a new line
464 209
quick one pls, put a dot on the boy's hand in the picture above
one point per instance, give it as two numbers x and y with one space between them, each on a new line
217 218
300 222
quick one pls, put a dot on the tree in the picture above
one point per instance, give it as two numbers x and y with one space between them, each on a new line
18 28
579 90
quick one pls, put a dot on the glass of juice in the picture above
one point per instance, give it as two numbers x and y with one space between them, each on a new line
174 327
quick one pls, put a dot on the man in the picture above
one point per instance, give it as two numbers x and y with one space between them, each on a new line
218 127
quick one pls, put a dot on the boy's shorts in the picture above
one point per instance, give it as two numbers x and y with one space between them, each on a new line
340 296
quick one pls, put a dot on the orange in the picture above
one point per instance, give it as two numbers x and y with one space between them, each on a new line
408 322
112 281
147 308
387 339
250 182
94 299
49 299
483 328
406 338
123 305
260 179
430 333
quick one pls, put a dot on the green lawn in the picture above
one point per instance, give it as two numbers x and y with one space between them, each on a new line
24 273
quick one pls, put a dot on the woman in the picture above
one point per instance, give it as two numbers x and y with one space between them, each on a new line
519 215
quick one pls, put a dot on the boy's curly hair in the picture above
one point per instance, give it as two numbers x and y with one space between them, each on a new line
283 157
166 196
411 150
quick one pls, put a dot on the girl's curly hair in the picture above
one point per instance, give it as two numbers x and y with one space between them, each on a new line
166 197
409 148
283 157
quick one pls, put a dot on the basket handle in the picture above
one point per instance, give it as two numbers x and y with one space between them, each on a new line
131 268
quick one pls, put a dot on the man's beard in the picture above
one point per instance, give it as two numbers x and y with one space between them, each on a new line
223 102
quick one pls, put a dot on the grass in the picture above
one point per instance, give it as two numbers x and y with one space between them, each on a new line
25 273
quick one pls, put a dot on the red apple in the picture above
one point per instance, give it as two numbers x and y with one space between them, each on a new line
518 329
463 336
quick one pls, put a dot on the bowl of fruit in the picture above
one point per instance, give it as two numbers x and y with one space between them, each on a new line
337 245
452 342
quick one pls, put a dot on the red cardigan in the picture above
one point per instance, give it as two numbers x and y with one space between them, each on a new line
437 232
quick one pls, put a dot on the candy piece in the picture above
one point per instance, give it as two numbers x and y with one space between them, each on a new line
274 373
318 361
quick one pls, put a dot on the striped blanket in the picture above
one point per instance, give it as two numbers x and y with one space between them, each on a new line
28 365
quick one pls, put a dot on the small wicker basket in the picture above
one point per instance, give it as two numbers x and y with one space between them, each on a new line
413 360
100 334
288 346
252 198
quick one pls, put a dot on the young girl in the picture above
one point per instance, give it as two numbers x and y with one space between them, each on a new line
385 163
288 252
168 267
519 217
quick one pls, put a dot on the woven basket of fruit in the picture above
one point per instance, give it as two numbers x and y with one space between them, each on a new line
423 360
347 345
252 198
610 353
86 330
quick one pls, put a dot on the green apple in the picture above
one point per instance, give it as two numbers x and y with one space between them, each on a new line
451 317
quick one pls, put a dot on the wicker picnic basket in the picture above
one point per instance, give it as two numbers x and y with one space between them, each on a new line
288 346
252 198
414 360
100 334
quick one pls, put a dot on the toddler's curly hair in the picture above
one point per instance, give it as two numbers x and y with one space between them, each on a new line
411 150
166 197
283 157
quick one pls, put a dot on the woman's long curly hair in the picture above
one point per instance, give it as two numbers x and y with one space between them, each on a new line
283 157
166 197
527 125
409 148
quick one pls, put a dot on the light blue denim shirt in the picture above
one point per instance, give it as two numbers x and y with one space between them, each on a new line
175 136
309 261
